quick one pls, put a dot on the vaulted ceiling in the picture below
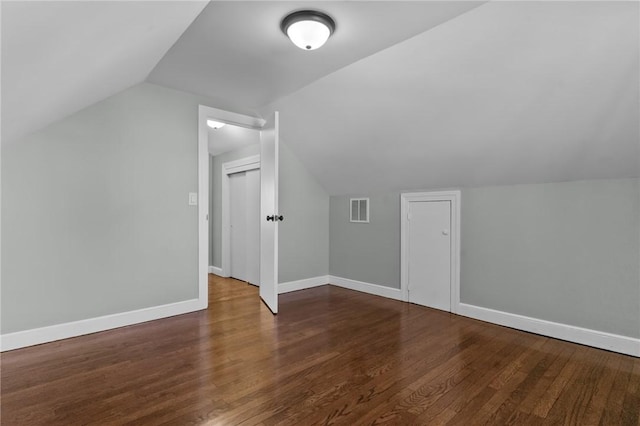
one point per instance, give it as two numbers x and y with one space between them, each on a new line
405 95
59 57
235 51
510 92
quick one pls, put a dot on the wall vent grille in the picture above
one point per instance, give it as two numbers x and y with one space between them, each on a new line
359 210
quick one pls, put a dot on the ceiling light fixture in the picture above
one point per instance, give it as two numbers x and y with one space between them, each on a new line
308 29
215 125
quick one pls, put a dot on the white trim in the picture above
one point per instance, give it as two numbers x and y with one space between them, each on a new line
303 284
216 271
203 205
375 289
241 165
455 198
598 339
228 117
584 336
37 336
233 118
229 168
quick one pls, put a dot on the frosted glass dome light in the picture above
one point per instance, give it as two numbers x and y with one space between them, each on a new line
308 29
308 35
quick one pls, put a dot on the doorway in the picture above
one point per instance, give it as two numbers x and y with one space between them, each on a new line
430 235
266 156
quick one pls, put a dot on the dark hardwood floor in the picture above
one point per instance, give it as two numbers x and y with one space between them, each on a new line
331 356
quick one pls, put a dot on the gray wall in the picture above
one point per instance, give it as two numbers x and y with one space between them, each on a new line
94 211
368 252
303 236
215 199
563 252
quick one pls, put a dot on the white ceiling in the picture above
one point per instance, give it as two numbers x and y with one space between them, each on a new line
236 53
510 92
230 138
405 95
61 56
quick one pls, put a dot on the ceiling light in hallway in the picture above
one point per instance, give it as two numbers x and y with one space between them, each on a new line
215 125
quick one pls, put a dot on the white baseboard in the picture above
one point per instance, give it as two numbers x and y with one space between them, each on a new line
37 336
598 339
215 270
584 336
378 290
302 284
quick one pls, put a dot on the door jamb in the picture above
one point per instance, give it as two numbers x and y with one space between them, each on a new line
455 198
228 117
229 168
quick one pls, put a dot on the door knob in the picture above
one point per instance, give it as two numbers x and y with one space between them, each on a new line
445 232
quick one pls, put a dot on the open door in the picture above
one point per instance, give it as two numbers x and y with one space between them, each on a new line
269 213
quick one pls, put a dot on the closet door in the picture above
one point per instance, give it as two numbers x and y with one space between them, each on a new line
253 226
429 247
238 246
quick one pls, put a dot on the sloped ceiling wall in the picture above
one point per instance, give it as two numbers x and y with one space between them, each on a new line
59 57
510 92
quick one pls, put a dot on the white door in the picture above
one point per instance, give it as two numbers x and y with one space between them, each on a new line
238 214
253 226
429 253
244 238
269 209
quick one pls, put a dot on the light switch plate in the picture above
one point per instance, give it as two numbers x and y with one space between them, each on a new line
193 198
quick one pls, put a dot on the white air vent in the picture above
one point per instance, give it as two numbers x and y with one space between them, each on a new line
360 210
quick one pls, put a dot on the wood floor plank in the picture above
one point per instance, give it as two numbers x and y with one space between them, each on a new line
331 356
422 405
495 361
538 391
613 410
570 407
631 403
358 401
557 387
604 383
509 412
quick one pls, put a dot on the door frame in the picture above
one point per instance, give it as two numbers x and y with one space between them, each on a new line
228 117
454 197
229 168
